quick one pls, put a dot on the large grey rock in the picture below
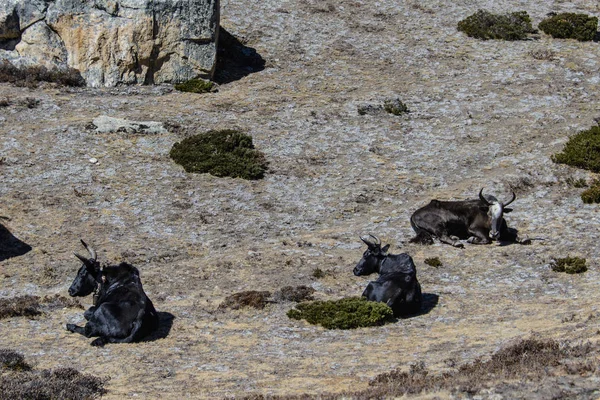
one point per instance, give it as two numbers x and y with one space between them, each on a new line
113 42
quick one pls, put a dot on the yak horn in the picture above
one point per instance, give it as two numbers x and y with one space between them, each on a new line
514 196
377 241
483 198
89 249
82 258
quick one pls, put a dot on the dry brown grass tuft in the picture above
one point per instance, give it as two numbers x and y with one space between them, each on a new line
250 298
297 294
30 306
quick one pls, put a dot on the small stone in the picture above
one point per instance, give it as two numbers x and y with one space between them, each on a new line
94 160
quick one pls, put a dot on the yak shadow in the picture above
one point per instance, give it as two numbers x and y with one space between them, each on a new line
430 301
10 246
234 59
165 323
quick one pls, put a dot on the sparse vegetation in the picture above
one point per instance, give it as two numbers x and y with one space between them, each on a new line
395 107
318 273
31 76
11 360
346 313
220 153
543 54
30 306
20 306
582 150
570 265
592 195
434 262
570 26
195 86
576 183
250 298
19 381
296 294
485 25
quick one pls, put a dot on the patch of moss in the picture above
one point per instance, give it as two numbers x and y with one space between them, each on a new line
592 195
433 261
195 86
582 150
485 25
346 313
570 265
220 153
570 26
395 107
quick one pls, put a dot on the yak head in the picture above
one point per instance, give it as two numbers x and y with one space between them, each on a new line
495 210
372 257
86 280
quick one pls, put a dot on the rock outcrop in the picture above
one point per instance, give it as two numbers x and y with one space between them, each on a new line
113 42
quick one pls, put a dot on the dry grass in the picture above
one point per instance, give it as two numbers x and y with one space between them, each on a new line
30 306
32 76
250 298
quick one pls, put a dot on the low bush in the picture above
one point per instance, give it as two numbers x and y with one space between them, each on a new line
592 195
395 107
220 153
250 298
20 306
61 383
576 183
582 150
346 313
570 26
433 261
11 360
570 265
318 273
485 25
31 76
195 86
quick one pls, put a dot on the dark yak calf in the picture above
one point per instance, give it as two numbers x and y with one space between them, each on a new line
479 221
122 313
397 285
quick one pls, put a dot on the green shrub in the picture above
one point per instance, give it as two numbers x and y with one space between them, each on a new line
195 86
570 26
582 150
433 261
592 195
570 265
346 313
220 153
485 25
576 183
395 107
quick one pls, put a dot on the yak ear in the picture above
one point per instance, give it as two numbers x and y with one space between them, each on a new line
507 209
384 250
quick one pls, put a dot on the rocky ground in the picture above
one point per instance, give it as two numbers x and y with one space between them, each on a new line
483 114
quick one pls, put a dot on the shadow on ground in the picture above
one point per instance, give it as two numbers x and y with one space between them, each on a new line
235 60
430 301
10 246
165 323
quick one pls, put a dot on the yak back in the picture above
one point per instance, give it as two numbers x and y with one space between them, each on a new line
398 263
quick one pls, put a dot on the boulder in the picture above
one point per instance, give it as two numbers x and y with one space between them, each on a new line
113 42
